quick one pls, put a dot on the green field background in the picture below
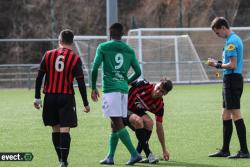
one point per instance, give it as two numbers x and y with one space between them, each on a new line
192 124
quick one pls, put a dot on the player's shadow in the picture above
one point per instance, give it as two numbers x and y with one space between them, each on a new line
176 164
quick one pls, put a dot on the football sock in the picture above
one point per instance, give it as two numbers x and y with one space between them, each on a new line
148 135
141 136
139 148
65 145
56 142
241 132
125 138
113 141
227 134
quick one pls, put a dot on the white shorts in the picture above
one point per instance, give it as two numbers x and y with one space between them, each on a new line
115 104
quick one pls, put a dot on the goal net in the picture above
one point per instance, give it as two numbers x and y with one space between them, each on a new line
179 52
85 47
173 56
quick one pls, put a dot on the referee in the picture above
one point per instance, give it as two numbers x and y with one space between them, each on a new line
60 66
232 65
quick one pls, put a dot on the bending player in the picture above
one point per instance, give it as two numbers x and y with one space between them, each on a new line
145 96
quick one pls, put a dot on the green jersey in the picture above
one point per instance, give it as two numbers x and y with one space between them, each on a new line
116 58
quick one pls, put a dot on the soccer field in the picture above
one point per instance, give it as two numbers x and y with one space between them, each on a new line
192 124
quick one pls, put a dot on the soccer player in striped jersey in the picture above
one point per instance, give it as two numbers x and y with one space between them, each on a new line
60 66
116 58
145 96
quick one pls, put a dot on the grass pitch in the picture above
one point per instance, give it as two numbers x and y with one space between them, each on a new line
192 125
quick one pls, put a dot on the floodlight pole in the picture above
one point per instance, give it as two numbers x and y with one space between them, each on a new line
140 52
177 67
53 21
111 13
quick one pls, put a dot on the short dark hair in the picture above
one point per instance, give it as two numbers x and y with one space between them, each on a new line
218 22
66 36
116 30
167 84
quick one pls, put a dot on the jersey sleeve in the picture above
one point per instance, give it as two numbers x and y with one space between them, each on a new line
159 115
39 78
136 67
231 48
42 64
96 63
78 72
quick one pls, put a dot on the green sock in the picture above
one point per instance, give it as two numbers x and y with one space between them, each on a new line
113 141
125 138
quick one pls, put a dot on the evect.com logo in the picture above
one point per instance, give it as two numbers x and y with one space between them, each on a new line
16 156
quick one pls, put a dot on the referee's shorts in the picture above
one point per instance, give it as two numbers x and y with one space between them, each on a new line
59 109
232 90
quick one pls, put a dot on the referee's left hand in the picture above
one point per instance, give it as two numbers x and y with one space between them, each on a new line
211 62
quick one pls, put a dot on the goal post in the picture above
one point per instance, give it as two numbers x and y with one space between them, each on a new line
173 56
199 42
85 47
177 53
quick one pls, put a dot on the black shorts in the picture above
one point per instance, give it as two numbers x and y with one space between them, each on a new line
232 90
59 109
126 122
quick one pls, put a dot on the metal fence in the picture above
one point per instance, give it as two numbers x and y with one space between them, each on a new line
17 73
24 75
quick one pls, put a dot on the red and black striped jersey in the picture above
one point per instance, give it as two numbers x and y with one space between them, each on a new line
140 98
60 66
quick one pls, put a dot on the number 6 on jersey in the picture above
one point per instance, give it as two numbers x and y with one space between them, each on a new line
59 65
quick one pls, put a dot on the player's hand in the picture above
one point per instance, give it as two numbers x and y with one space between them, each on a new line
165 155
37 103
95 95
86 109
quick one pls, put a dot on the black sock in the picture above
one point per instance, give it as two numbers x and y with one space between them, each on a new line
148 134
56 142
227 134
65 145
139 147
141 136
241 132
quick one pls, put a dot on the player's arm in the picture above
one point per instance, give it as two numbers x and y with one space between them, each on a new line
232 64
232 53
161 134
161 138
139 82
96 63
78 73
231 49
39 80
136 67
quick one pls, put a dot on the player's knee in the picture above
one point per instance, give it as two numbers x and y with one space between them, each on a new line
236 114
138 122
56 128
226 115
148 124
